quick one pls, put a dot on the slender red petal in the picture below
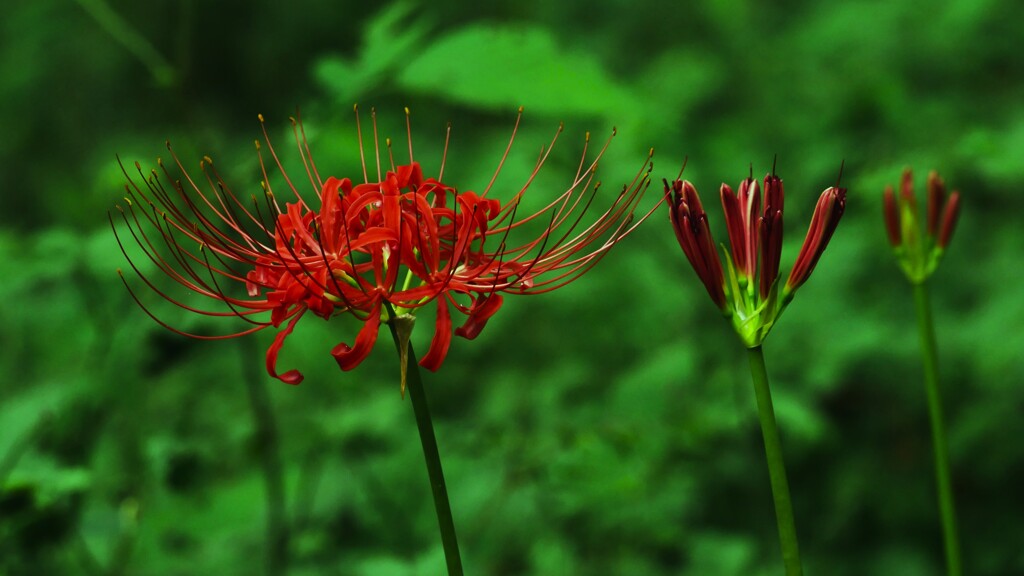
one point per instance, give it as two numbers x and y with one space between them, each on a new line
349 357
771 251
770 230
735 227
292 377
749 197
410 175
442 338
330 214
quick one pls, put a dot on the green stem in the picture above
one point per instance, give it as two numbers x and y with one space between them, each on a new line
414 385
942 475
776 466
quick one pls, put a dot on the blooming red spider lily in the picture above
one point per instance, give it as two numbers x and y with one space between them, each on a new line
398 239
747 290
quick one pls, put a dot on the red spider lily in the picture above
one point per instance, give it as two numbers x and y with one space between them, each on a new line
749 292
400 239
918 253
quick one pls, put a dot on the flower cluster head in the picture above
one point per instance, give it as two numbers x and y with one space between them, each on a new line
748 290
919 253
396 241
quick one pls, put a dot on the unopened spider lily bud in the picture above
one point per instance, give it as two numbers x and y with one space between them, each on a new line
919 248
747 291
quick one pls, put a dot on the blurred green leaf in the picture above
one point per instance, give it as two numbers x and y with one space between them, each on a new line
390 40
501 67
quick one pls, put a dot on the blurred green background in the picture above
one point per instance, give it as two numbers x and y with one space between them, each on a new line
606 428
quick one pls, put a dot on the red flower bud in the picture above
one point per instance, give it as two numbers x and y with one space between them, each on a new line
826 217
936 198
891 211
949 217
690 224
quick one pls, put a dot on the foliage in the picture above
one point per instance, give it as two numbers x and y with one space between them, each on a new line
606 428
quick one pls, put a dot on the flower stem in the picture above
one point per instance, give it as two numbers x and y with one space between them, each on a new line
776 466
942 475
414 385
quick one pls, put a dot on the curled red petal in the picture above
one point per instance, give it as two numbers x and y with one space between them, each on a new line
442 338
483 308
410 175
349 357
292 377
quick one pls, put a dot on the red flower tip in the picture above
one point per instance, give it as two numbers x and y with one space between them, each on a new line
736 220
891 212
907 188
691 227
773 194
936 198
949 218
826 217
